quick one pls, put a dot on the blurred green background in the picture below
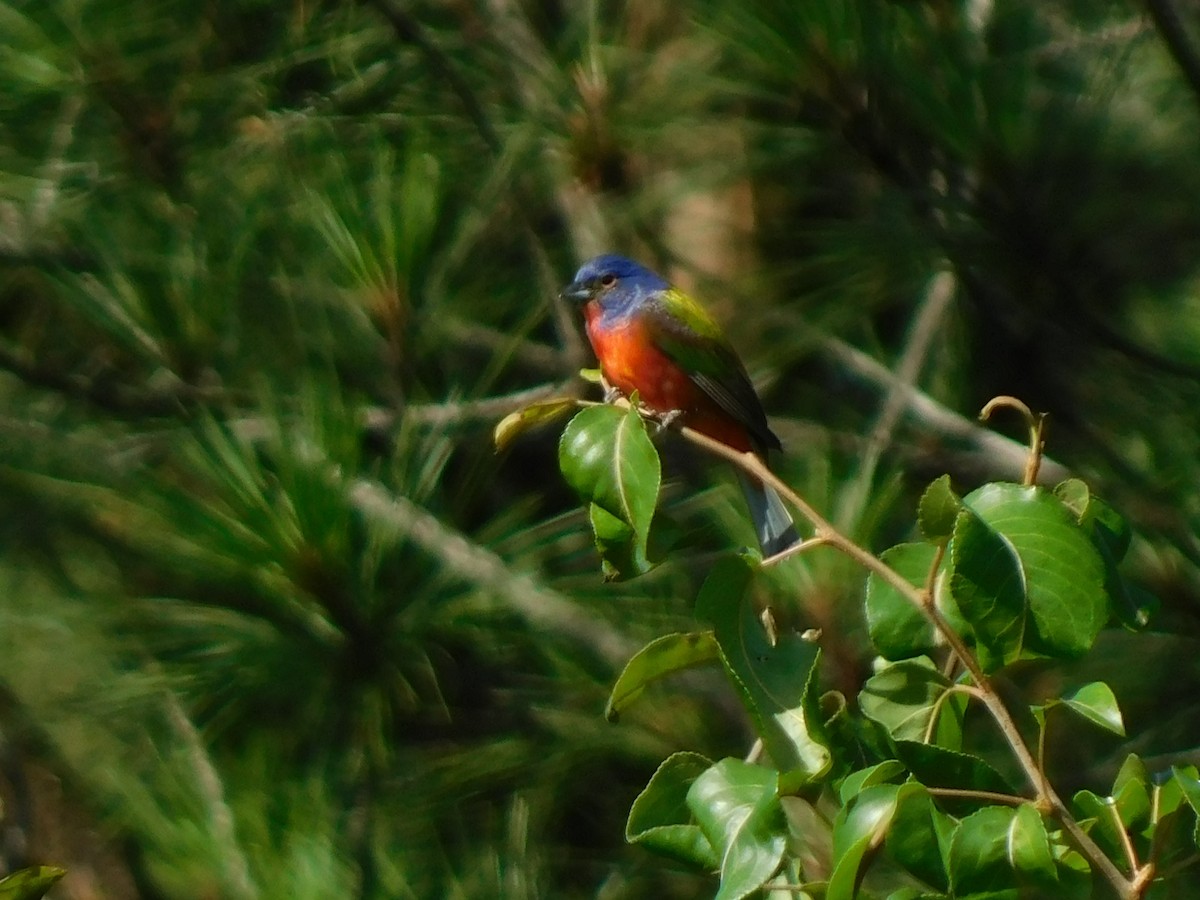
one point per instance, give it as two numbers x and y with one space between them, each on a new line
275 619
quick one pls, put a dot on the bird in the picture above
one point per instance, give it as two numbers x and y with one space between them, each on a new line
653 339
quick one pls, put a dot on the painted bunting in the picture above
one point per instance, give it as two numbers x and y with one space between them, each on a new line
653 338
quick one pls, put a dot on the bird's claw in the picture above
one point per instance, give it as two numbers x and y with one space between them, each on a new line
611 394
667 419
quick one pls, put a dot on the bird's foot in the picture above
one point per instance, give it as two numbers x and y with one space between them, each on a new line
667 419
611 394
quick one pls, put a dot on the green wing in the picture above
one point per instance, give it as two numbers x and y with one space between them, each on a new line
683 330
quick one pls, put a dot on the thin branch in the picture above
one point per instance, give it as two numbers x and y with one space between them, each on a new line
936 710
1126 842
1047 797
987 796
1037 431
794 550
459 412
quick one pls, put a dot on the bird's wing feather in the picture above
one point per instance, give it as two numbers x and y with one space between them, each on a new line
683 330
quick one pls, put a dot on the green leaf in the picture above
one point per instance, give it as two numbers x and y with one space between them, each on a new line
31 883
775 680
1170 790
1170 837
1075 495
951 714
1131 792
1188 782
881 773
938 767
607 457
897 628
737 807
1096 703
989 589
1029 847
661 657
860 828
919 838
1093 813
902 698
938 510
660 819
621 554
1000 849
1108 526
1111 535
517 423
1061 571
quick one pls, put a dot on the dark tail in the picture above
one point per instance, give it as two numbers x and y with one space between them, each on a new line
774 525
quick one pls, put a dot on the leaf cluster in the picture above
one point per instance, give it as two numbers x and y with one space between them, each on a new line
889 793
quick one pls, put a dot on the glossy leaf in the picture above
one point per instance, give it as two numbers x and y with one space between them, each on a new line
1000 848
938 510
660 819
31 883
737 807
776 680
902 698
532 416
609 460
1111 535
859 830
1096 703
1060 569
881 773
951 714
919 838
989 589
1131 792
1173 829
1171 792
1189 785
1092 512
938 767
1093 813
661 657
897 628
622 555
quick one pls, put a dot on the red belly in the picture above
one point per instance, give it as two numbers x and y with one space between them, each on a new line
631 362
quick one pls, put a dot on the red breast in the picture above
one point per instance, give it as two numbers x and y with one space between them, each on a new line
631 362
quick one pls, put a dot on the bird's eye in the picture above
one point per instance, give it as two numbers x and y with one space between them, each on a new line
608 280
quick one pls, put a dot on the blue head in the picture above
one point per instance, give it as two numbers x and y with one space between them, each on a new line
613 281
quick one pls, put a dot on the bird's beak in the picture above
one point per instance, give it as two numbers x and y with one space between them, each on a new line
577 291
